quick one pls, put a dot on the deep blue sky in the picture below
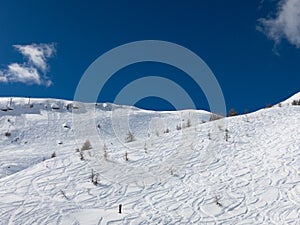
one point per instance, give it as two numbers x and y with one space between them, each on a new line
222 33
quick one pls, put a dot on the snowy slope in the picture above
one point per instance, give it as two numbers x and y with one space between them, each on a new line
289 101
238 170
40 127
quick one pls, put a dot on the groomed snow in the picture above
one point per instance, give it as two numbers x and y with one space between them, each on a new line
237 170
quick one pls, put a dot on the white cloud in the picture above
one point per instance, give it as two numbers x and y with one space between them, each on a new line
37 53
285 24
34 71
24 74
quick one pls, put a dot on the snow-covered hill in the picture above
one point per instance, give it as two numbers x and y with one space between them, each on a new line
181 167
291 100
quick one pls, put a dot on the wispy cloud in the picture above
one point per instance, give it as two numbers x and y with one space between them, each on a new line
284 25
261 3
3 78
34 69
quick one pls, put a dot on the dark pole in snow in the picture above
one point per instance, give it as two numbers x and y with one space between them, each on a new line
120 208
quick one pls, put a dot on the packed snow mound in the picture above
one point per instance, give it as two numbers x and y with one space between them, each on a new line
169 168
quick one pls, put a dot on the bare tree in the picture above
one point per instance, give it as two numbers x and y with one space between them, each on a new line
94 178
53 155
232 112
217 201
130 137
226 134
296 102
86 146
81 155
105 152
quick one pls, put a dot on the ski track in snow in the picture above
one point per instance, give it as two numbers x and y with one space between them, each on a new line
253 178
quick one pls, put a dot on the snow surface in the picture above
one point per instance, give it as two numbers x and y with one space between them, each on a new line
237 170
287 102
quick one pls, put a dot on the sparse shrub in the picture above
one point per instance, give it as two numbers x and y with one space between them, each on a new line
217 201
30 104
268 105
94 178
130 137
215 117
53 155
226 135
105 155
81 155
86 146
232 112
10 102
247 118
296 102
188 123
69 106
178 127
